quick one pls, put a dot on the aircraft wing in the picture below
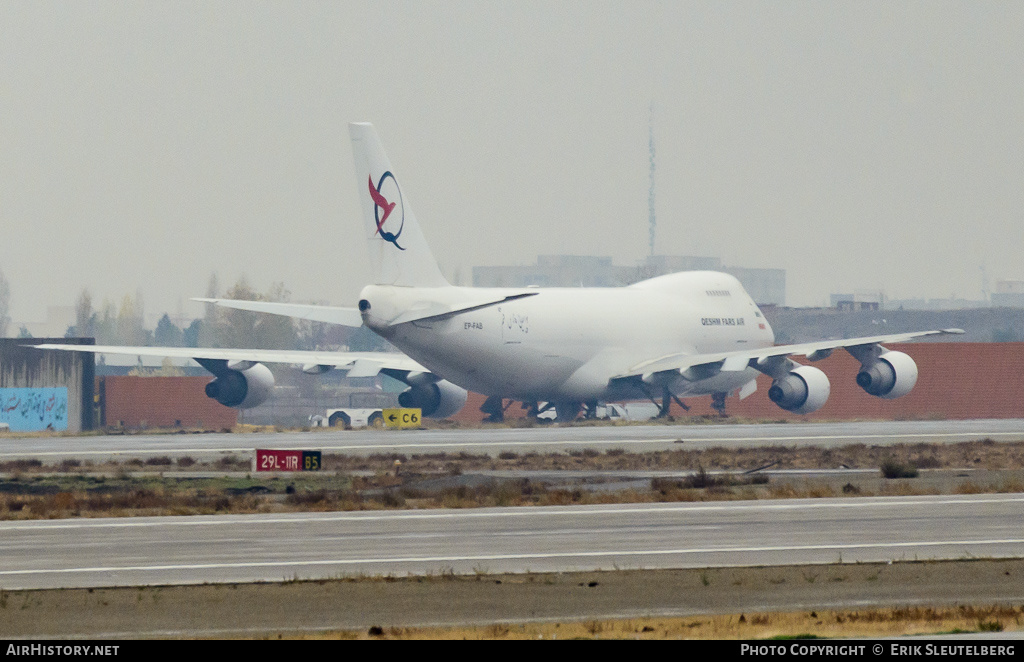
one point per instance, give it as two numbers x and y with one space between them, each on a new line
358 364
766 358
328 314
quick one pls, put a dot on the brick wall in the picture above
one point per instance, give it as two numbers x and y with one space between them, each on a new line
162 402
955 381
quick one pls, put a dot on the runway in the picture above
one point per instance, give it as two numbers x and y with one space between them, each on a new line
493 440
219 549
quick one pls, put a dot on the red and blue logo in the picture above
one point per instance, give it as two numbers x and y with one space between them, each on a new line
387 208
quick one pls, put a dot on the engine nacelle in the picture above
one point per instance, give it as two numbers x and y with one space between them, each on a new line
437 400
242 389
801 391
892 375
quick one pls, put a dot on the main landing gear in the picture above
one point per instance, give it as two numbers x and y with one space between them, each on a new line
495 408
667 397
718 403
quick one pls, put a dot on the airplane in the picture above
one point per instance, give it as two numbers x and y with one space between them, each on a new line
687 334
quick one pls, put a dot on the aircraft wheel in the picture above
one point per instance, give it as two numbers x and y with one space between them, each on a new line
340 419
566 412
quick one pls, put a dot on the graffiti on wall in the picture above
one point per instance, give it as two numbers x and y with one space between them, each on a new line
30 409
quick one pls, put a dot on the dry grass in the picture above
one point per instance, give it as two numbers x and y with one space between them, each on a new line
870 623
985 454
161 485
570 604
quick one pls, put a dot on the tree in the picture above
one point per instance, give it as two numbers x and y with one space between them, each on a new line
190 336
130 329
106 324
312 335
167 334
85 317
365 340
5 305
242 328
207 331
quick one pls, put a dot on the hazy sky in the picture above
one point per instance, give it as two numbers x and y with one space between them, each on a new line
858 145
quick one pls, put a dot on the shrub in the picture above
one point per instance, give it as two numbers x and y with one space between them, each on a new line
895 469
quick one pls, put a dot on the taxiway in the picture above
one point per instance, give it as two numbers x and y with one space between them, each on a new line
493 440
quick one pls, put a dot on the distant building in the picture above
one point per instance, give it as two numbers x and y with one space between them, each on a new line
551 271
935 304
58 319
46 390
667 264
878 301
1008 294
766 286
859 301
160 402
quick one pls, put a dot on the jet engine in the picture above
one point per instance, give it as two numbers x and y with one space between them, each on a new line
891 375
801 390
436 400
242 389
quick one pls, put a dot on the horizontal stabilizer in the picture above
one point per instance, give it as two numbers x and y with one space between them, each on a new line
440 311
327 314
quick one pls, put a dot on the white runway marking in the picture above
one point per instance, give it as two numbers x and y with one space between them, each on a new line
434 445
526 511
511 557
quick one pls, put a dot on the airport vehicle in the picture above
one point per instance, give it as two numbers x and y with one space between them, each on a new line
610 411
627 411
678 335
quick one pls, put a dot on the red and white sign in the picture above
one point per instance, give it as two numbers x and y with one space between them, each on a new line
270 460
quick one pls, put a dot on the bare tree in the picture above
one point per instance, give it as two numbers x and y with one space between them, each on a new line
242 328
5 305
205 333
106 324
130 329
85 317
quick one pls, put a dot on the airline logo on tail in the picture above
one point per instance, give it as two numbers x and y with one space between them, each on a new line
384 211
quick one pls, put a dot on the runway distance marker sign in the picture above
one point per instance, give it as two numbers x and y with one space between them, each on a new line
271 460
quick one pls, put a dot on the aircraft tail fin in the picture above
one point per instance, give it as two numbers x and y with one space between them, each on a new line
399 253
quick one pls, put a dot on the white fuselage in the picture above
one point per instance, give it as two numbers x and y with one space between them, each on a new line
566 344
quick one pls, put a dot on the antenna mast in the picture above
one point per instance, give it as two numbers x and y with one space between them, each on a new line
652 221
